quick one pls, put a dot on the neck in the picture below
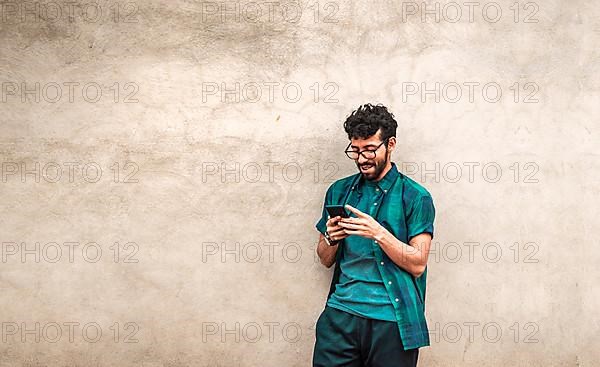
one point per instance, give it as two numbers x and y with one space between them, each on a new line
388 166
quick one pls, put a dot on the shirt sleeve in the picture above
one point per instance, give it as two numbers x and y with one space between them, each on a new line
421 217
322 223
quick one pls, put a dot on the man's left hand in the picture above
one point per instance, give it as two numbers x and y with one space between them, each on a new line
363 225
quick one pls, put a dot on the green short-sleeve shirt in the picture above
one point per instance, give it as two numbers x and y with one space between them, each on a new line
405 208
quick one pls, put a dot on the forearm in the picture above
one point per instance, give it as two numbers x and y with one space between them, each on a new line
405 256
325 252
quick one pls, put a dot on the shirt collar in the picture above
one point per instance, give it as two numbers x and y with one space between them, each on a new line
385 183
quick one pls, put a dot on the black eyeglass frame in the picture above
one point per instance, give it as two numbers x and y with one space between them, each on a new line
359 153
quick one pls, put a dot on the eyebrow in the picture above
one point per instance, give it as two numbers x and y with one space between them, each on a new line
366 146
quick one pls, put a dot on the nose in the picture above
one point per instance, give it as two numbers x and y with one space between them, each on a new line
361 159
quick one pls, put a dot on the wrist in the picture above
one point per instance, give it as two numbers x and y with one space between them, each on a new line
380 233
330 241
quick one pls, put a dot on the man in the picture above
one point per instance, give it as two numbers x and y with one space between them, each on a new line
374 315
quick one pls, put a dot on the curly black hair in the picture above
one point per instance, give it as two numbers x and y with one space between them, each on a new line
367 119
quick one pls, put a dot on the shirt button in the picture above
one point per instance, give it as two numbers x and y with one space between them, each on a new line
381 263
377 189
374 203
384 190
397 300
390 282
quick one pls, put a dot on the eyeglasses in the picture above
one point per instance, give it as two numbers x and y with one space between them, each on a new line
367 153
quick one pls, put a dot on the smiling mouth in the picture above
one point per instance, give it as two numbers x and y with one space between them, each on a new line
365 167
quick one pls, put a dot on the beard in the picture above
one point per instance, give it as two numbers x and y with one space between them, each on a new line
375 168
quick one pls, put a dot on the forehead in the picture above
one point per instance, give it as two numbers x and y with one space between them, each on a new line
372 141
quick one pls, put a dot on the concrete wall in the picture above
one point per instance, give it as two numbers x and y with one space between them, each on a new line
156 213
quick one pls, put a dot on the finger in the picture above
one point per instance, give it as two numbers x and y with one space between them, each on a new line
355 232
339 235
333 220
338 232
360 221
355 211
336 229
336 226
353 226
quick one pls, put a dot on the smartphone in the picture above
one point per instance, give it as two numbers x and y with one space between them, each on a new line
336 210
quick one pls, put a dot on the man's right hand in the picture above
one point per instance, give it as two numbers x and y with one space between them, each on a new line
336 232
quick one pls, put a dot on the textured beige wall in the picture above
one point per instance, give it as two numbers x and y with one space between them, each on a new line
153 202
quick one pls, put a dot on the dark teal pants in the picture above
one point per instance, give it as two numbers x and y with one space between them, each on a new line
347 340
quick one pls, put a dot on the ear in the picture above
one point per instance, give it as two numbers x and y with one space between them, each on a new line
392 143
